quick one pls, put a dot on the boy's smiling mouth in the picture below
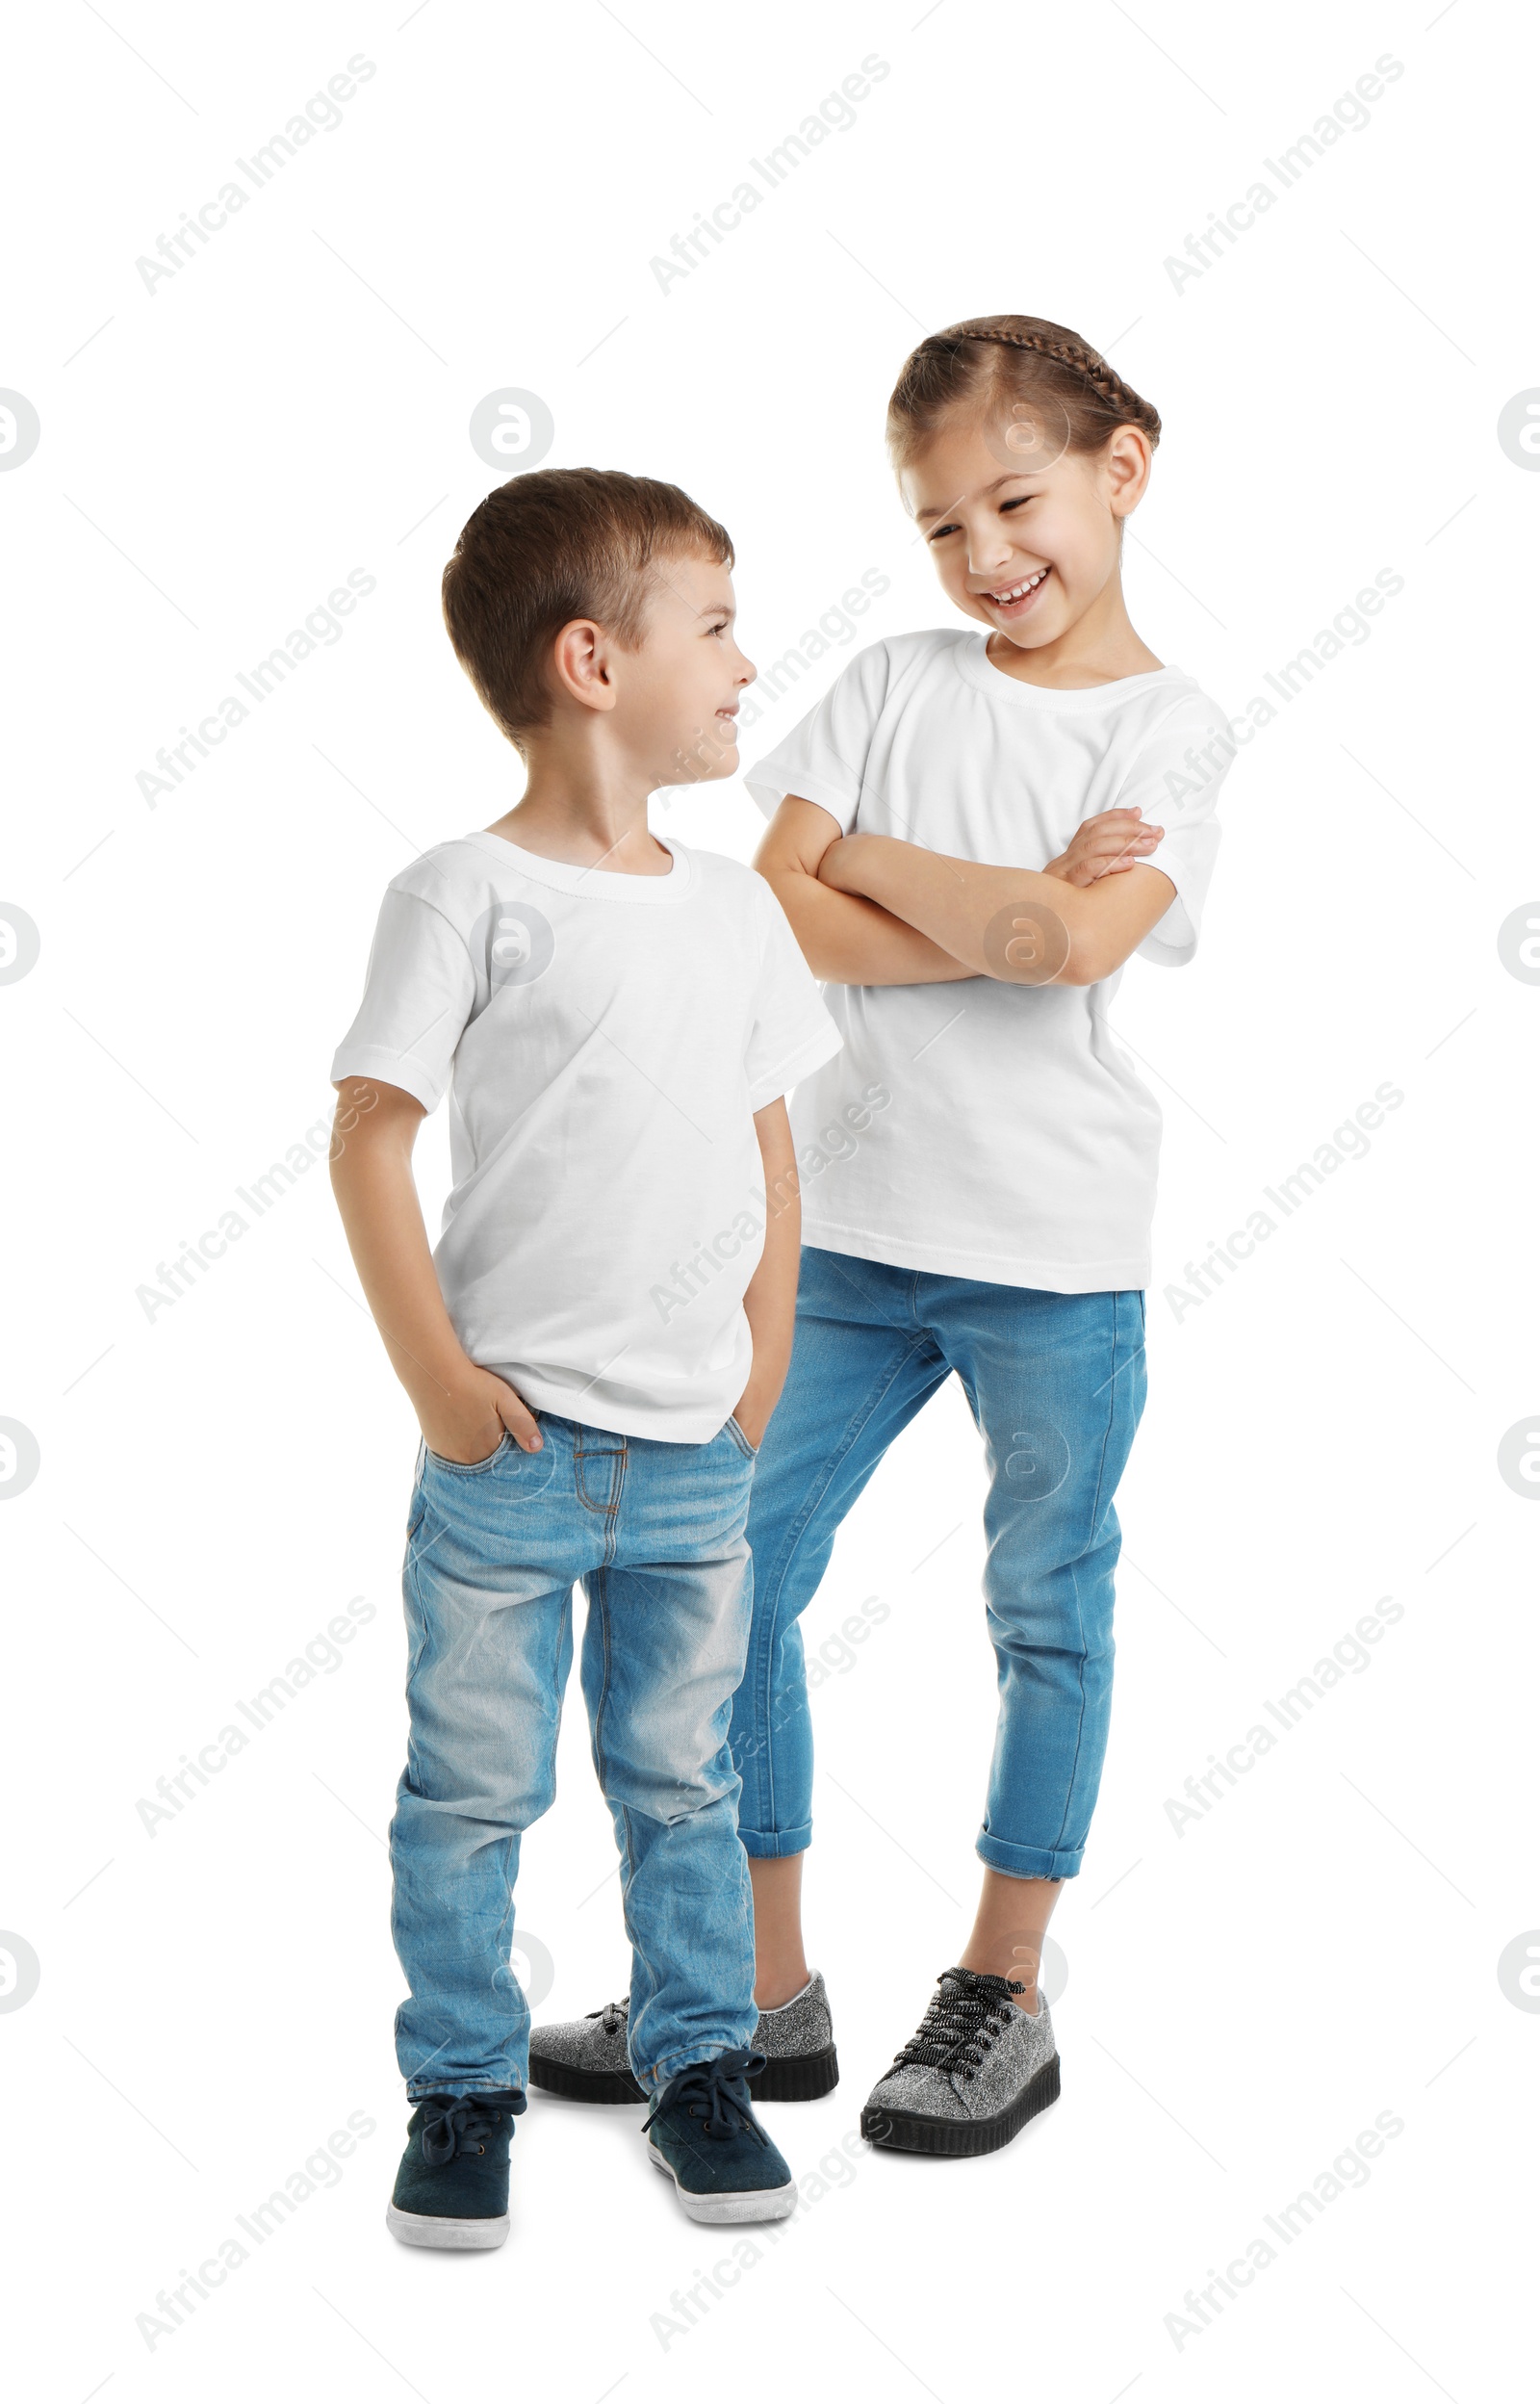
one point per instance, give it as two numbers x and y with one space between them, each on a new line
1012 599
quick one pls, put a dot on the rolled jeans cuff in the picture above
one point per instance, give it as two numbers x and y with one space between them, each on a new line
656 2075
1027 1861
778 1845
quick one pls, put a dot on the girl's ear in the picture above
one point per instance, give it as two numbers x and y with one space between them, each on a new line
1125 466
579 664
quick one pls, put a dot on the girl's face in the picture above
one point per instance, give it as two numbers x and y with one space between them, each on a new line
1027 550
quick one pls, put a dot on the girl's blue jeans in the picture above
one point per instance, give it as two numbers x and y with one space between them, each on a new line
1056 1384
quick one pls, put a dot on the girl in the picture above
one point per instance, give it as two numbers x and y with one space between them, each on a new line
970 834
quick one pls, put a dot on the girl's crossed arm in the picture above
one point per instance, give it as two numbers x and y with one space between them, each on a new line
1020 925
872 910
845 938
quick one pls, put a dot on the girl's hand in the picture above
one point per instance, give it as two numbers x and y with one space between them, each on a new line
1104 846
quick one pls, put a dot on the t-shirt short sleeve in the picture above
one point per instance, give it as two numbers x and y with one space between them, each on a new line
824 757
418 996
1176 780
792 1032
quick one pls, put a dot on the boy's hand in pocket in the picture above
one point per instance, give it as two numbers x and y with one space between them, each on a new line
467 1425
1104 846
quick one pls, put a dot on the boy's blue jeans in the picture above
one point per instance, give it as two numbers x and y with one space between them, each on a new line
1056 1384
655 1532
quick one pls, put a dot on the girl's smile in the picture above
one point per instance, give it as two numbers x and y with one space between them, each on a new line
1015 599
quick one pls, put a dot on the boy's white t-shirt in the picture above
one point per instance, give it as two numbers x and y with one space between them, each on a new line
983 1129
604 1041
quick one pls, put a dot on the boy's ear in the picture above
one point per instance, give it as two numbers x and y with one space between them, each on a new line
579 664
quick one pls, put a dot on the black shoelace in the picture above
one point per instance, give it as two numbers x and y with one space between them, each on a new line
461 2124
969 2010
716 2093
611 2016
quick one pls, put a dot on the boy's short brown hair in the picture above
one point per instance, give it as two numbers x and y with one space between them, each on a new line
555 545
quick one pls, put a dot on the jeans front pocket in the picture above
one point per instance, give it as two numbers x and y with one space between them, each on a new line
419 1502
470 1468
508 1473
740 1440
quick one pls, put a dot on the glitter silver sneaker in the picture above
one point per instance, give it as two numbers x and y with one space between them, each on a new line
975 2072
587 2060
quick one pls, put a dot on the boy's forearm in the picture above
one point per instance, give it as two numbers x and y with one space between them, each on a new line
770 1299
382 1217
770 1302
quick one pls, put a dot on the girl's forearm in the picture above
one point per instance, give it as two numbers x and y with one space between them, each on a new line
973 911
847 939
844 938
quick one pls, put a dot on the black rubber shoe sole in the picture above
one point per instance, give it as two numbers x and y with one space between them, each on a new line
796 2079
925 2133
584 2087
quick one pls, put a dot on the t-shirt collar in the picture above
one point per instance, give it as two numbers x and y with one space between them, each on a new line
975 664
565 876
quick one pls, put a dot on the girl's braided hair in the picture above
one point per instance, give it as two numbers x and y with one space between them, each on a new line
995 361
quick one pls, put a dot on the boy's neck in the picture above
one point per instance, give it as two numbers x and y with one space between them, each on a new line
585 812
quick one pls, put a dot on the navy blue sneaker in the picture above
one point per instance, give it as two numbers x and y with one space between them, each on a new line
702 2133
451 2189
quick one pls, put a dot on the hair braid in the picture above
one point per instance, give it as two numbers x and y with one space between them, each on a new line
939 374
1079 356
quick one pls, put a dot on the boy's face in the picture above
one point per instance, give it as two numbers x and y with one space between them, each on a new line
993 530
681 687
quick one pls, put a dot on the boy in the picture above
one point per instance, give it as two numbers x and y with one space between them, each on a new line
596 1346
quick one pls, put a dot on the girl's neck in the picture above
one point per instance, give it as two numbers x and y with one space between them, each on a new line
1100 648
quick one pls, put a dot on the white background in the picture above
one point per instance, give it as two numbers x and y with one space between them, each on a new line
1243 1997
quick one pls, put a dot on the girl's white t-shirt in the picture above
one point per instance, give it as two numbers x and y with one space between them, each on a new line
982 1129
604 1042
